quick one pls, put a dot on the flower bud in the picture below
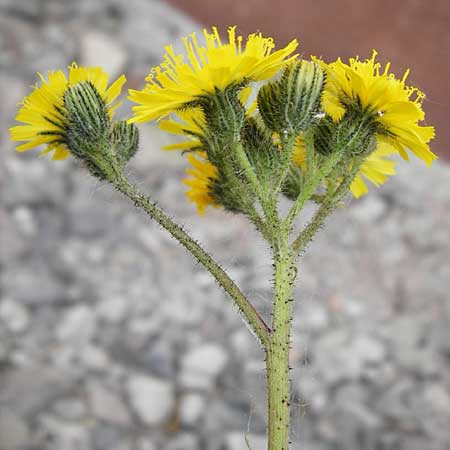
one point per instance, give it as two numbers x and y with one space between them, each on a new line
124 138
223 112
291 103
91 136
88 121
354 134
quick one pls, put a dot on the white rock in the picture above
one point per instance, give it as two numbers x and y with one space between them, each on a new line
242 343
209 359
77 326
151 398
65 435
99 49
191 408
106 405
201 366
368 209
368 349
14 315
25 220
112 309
94 357
237 441
71 408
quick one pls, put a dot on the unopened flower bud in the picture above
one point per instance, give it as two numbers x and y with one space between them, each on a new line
293 102
87 118
124 140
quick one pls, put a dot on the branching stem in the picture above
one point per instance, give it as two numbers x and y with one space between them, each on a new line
245 307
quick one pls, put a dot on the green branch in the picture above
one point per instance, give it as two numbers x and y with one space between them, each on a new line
310 187
245 307
287 148
328 205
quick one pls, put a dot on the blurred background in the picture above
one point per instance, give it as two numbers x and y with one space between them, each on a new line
111 338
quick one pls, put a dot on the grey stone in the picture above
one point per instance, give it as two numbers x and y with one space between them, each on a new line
95 358
27 185
67 436
34 286
106 437
25 220
369 209
14 315
201 365
70 408
106 405
237 441
192 407
113 309
99 49
31 389
368 349
184 441
77 326
160 359
14 431
151 398
13 244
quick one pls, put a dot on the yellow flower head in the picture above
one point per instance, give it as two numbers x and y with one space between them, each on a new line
396 106
202 175
376 167
214 65
42 112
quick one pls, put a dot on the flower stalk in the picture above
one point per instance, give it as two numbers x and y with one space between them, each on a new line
247 310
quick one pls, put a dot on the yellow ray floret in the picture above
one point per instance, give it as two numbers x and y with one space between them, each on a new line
398 107
181 79
202 175
42 112
189 124
376 168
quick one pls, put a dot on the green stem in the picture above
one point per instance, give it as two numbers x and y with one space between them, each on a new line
277 354
310 187
268 206
249 172
309 144
329 204
287 147
245 307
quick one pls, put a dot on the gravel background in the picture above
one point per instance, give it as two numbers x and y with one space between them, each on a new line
111 338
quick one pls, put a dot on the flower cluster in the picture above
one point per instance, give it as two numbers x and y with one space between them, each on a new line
246 144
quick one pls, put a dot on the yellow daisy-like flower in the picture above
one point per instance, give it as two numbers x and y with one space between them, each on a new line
376 167
202 174
215 65
397 107
42 112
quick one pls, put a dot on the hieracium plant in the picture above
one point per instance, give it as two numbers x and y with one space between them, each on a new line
309 131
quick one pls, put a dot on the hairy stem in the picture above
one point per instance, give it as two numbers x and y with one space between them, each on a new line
329 204
287 148
310 187
277 354
268 206
255 321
